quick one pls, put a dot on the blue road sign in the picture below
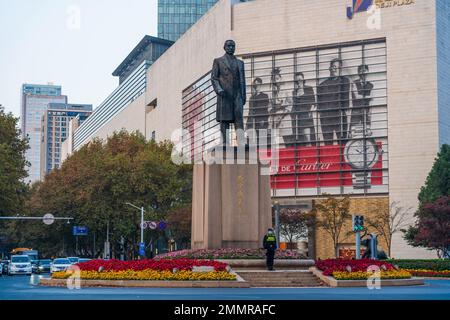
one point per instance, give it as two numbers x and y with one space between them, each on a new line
162 225
79 231
141 248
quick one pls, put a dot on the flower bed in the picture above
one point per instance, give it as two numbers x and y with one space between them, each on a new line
364 275
431 264
149 264
230 254
148 274
164 269
334 265
429 273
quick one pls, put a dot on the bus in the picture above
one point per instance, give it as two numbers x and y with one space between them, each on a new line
33 254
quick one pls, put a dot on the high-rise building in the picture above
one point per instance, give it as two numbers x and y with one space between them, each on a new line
176 16
35 100
54 130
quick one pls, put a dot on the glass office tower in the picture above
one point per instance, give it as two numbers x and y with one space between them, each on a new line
35 101
176 16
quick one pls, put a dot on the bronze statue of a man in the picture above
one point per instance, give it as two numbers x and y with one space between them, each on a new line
228 80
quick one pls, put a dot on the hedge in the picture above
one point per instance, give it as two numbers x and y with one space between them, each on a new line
434 265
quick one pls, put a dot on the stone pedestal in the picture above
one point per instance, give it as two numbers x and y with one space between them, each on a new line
231 205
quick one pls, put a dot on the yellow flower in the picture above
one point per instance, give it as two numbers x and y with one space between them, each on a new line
362 275
149 274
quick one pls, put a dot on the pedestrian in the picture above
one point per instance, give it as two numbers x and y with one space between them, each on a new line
270 244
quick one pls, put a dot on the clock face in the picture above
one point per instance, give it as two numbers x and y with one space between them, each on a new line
359 151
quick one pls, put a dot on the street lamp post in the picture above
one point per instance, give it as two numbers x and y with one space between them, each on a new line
142 219
142 224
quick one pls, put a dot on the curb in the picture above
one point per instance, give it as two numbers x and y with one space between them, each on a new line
240 283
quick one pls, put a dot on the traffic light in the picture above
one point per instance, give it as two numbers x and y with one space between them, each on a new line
358 223
361 223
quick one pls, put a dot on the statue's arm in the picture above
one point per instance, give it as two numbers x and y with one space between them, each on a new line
243 86
215 78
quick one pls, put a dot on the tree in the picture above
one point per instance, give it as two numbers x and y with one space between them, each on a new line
332 214
13 165
437 183
432 229
180 221
13 189
293 224
432 195
94 185
388 221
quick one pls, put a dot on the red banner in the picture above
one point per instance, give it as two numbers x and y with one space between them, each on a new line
312 167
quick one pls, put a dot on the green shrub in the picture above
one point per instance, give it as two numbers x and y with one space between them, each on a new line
435 265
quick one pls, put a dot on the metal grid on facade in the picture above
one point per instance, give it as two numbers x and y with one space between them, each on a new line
332 130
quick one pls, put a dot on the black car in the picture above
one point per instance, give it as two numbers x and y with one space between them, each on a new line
34 266
44 266
5 266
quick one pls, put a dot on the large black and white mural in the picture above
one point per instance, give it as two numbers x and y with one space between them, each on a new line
324 109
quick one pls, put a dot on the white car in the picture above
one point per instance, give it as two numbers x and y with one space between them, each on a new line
60 264
20 265
73 260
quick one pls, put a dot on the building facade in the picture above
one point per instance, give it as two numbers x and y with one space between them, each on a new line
390 110
54 130
175 17
35 101
356 99
132 73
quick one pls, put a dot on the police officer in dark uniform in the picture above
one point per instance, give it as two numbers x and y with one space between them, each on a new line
270 244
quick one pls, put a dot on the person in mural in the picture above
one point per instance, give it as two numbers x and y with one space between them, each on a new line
258 114
361 91
304 101
333 98
281 109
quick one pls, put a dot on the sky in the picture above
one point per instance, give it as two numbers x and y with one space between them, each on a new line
73 43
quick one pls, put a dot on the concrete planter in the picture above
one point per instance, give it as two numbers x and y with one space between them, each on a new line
238 283
332 282
147 283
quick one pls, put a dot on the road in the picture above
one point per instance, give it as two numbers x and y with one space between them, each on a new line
26 288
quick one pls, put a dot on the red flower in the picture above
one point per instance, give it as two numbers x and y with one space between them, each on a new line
330 265
160 265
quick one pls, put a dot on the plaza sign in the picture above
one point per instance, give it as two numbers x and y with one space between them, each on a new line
393 3
365 5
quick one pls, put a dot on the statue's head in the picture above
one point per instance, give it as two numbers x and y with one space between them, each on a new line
229 46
